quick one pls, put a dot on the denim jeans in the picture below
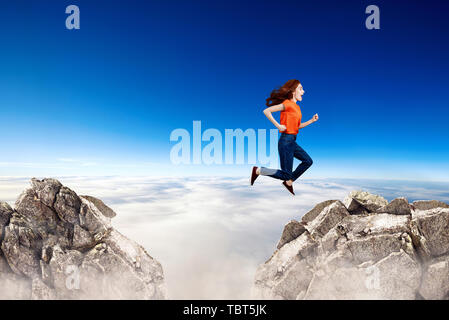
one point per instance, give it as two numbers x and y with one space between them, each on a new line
289 149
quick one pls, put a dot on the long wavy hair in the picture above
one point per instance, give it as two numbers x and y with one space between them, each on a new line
277 96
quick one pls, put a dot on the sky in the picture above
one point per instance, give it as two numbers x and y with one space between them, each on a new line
103 100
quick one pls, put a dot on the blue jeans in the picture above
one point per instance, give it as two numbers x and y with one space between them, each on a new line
289 149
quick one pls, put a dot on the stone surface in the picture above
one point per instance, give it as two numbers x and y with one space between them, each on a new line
32 212
386 251
40 291
370 202
5 214
82 239
46 190
312 214
327 219
429 204
20 251
398 206
92 219
397 276
292 230
57 245
14 287
435 282
104 209
68 205
355 207
432 230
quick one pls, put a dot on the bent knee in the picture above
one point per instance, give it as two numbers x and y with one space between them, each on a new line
309 162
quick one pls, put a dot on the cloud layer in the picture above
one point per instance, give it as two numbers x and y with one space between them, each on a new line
211 233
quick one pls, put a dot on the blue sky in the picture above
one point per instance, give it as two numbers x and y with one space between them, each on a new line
104 99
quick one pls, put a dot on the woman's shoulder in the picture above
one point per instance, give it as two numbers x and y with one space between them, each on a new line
288 103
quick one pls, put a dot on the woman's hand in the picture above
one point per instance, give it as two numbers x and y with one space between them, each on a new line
305 124
282 128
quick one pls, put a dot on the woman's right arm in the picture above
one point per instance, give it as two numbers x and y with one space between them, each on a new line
267 112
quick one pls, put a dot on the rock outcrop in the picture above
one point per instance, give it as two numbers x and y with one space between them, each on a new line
365 248
58 245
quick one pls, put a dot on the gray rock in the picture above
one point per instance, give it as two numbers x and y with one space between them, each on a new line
383 280
394 253
14 287
5 214
273 270
398 206
343 284
46 190
341 258
399 276
370 237
117 278
82 239
32 212
40 291
4 266
22 259
431 232
419 242
435 281
327 219
135 255
92 219
64 269
374 248
104 209
312 214
370 202
356 208
56 245
292 230
382 223
68 205
429 204
294 280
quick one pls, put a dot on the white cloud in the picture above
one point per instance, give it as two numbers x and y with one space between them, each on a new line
209 233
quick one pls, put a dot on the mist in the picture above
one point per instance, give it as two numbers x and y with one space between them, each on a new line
209 233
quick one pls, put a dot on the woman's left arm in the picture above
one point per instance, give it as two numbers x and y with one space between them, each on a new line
305 124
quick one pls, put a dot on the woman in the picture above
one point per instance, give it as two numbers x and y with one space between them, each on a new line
284 100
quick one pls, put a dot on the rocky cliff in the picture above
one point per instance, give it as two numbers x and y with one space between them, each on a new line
58 245
364 248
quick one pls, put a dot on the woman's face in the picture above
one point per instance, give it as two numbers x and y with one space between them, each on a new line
299 92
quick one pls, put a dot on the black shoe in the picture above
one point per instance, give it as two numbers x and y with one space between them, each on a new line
289 188
254 175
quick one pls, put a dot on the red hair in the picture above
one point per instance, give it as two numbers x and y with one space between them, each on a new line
277 96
